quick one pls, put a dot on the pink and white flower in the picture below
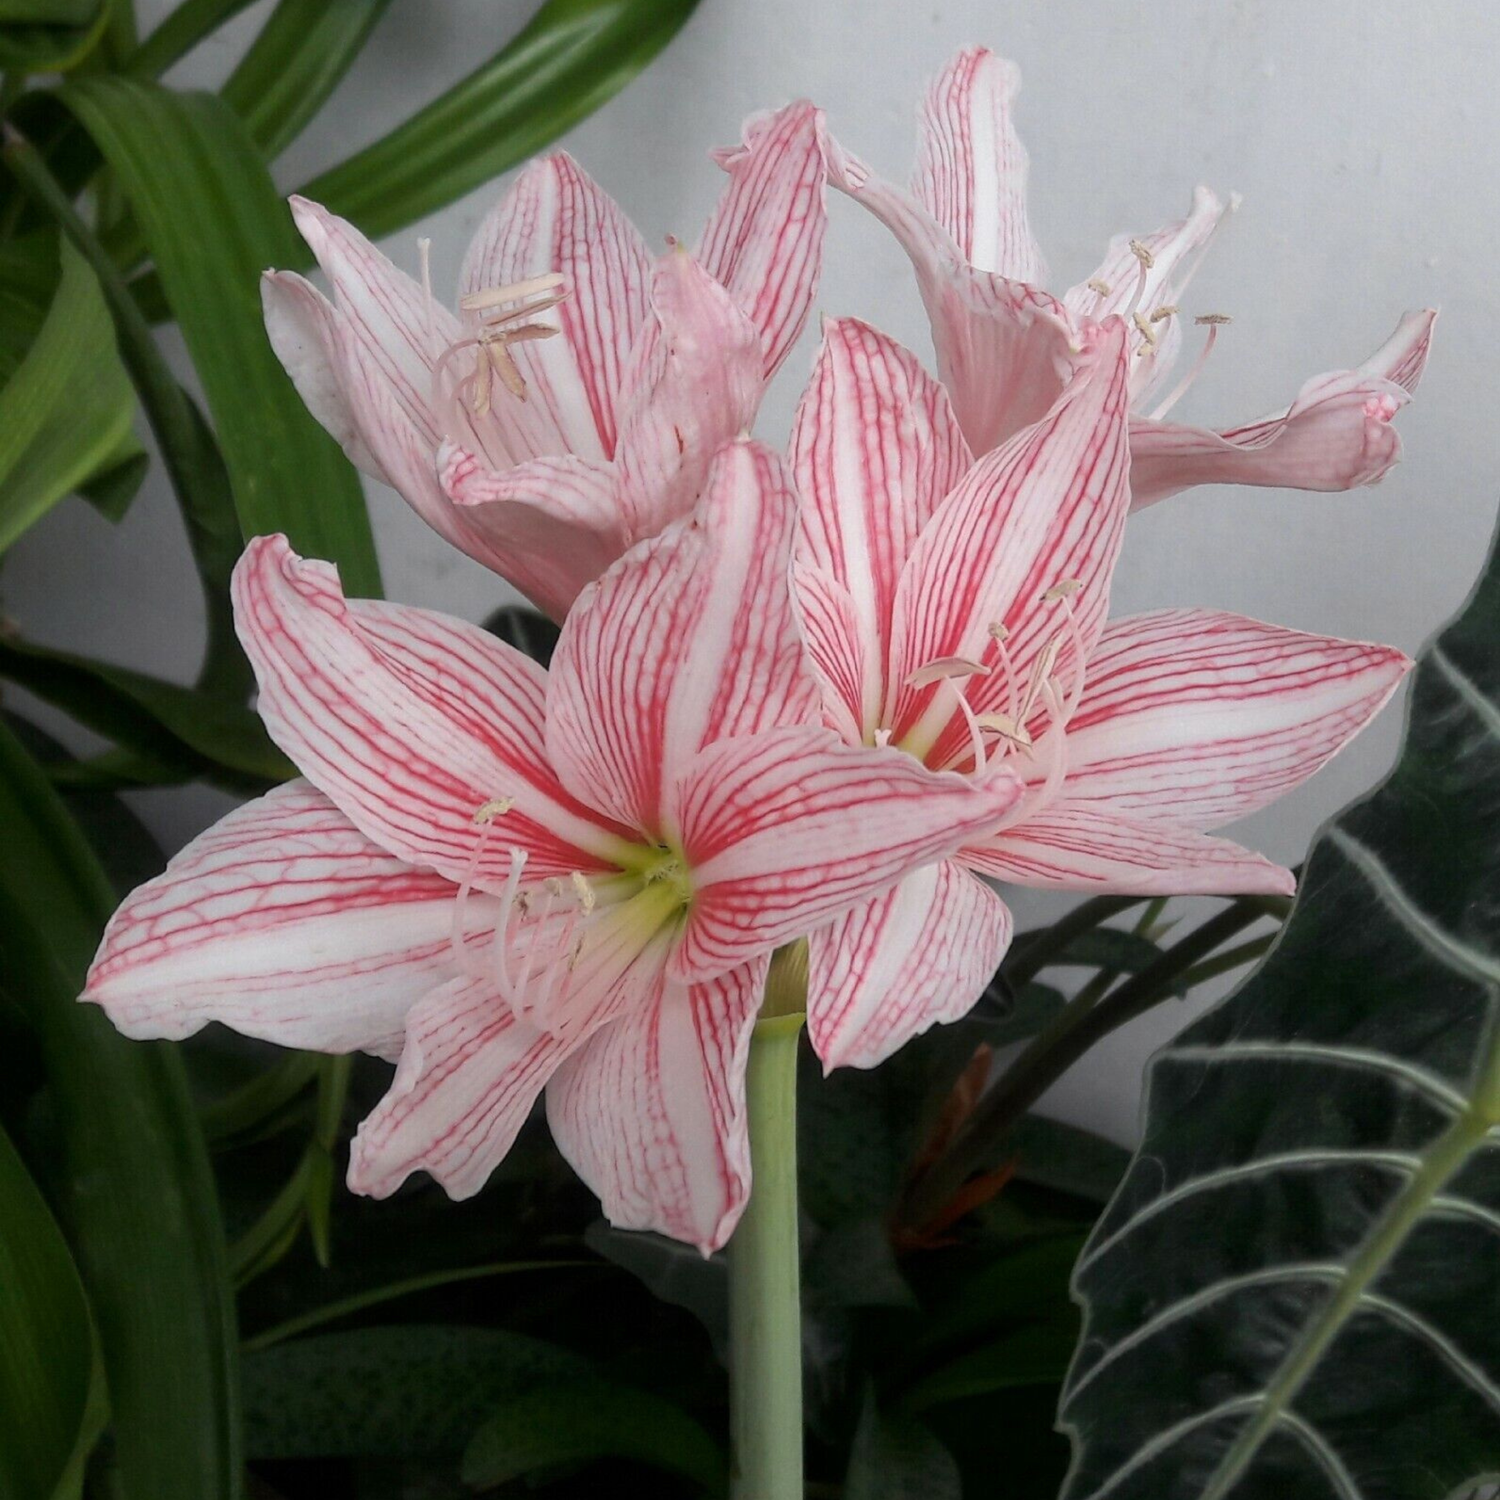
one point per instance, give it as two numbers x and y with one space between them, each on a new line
957 609
572 405
518 879
1006 347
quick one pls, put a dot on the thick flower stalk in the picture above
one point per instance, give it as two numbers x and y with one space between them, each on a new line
1006 346
572 404
515 879
957 609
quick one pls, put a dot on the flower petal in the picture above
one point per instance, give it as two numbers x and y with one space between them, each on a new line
550 526
397 331
468 1076
690 638
693 384
786 830
764 239
651 1110
1005 348
1046 508
875 449
1198 717
972 168
915 957
409 722
303 327
283 921
556 218
1073 847
835 640
1338 433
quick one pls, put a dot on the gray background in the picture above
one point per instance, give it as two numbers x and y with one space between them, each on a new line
1365 140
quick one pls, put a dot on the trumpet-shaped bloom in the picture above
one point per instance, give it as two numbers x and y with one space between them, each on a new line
573 403
516 879
1006 346
958 609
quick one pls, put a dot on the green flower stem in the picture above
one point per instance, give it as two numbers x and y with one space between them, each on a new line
765 1312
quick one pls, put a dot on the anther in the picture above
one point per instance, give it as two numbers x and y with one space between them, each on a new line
1165 311
1145 329
1006 727
1213 322
1064 588
1142 253
496 807
941 668
583 890
498 296
1095 285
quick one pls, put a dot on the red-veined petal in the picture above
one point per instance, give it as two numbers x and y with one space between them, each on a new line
651 1110
917 956
1073 847
875 449
693 384
556 218
690 638
972 168
283 921
1047 508
1198 717
764 239
1338 434
409 722
786 830
1005 348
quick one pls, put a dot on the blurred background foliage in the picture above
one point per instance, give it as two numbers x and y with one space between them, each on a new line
191 1305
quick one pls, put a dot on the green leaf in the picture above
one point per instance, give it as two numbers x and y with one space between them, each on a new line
1066 1158
569 58
1294 1291
65 413
294 64
1035 1354
47 1353
49 36
199 733
896 1458
391 1392
671 1272
138 1196
582 1420
214 221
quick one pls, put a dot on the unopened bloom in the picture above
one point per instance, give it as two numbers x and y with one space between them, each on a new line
957 610
516 879
572 405
1006 346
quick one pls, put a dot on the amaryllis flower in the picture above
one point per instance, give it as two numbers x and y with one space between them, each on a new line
1006 346
519 879
957 609
573 403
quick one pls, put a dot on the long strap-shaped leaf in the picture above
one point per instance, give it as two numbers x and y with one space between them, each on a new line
570 57
68 407
1296 1290
140 1197
213 222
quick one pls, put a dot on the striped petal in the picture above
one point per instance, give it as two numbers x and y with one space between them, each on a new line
852 685
556 218
920 955
690 638
282 921
764 239
1005 348
552 525
1047 508
1125 283
651 1111
409 722
972 168
1338 433
875 449
469 1073
787 830
693 384
1078 847
1198 717
395 329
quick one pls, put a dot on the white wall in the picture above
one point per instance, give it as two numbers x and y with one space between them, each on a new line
1366 142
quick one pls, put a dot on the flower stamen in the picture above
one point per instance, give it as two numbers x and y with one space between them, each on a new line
1213 322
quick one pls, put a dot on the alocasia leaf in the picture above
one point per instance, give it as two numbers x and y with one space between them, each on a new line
1293 1293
